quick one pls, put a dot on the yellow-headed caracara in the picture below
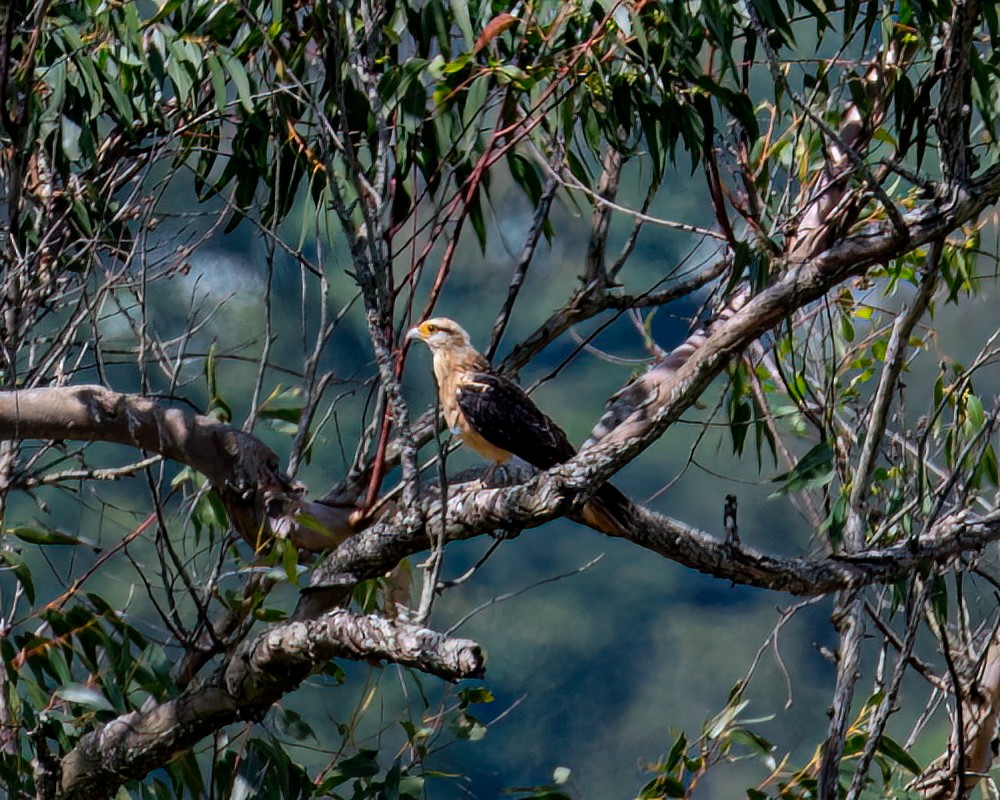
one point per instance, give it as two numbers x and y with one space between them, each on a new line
497 419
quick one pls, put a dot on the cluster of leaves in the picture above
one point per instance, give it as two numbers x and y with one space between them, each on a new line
89 666
791 389
103 92
730 737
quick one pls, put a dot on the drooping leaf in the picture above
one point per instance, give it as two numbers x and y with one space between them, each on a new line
36 534
892 749
813 470
16 564
86 696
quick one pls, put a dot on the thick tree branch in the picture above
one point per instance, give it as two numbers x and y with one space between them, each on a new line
848 620
660 403
235 460
471 513
584 305
474 510
225 455
245 687
242 468
982 714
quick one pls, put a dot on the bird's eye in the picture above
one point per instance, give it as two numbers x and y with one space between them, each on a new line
433 329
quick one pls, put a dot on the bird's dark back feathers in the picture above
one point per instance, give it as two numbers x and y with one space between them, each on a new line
502 413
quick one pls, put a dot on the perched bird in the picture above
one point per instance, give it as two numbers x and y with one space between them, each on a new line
496 418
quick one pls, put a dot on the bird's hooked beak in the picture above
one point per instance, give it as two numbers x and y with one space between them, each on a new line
414 333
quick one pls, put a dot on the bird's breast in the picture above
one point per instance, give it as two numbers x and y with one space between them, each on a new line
450 382
488 451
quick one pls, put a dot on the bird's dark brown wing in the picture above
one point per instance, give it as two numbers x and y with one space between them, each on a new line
500 411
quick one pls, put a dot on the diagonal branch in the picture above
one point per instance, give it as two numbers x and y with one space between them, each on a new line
562 488
225 455
803 281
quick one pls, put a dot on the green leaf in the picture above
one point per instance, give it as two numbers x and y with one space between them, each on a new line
777 22
525 175
833 526
210 512
752 740
361 765
813 470
992 19
177 69
724 719
895 751
218 83
740 415
939 598
210 371
271 615
676 752
474 694
987 468
513 74
44 536
662 786
460 10
815 9
119 99
473 106
290 562
168 8
290 723
282 404
239 75
974 411
477 218
71 132
292 415
411 787
21 571
366 595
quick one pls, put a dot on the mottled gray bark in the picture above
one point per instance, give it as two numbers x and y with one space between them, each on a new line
249 681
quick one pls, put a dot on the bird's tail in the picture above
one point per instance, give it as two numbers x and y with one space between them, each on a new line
609 511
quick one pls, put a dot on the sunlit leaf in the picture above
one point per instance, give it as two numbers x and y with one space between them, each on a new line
84 696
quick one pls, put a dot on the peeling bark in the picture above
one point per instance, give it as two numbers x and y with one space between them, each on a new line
982 714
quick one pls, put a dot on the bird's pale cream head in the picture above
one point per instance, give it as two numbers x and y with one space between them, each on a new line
440 333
